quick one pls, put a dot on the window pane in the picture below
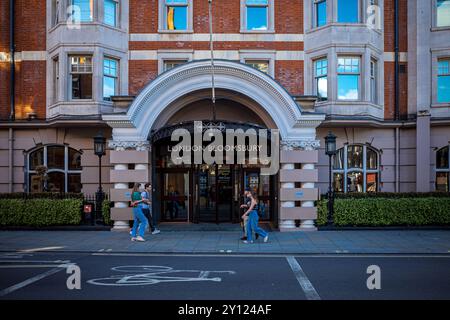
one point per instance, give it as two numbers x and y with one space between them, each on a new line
257 2
372 182
355 157
36 158
442 181
348 65
55 182
55 157
443 84
177 2
82 86
443 13
172 64
262 66
322 88
109 87
256 18
321 67
86 8
355 182
348 11
442 158
338 182
321 13
110 12
177 18
74 182
348 86
74 159
36 183
338 159
81 64
443 67
372 160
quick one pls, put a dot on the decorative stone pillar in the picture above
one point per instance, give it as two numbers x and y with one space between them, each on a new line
287 224
124 154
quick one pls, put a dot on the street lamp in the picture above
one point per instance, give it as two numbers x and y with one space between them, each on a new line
99 150
330 150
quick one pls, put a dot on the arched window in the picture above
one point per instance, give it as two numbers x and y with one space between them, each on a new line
443 169
356 169
54 168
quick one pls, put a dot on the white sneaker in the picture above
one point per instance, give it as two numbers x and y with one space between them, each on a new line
246 242
133 238
156 231
266 238
140 239
131 232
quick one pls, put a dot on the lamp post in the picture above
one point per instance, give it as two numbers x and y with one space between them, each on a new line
330 150
99 150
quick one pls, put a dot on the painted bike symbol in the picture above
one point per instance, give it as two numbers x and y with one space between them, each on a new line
146 275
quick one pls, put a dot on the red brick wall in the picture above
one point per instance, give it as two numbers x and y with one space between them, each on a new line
4 66
218 45
143 16
140 73
226 16
389 91
288 16
30 25
290 75
389 25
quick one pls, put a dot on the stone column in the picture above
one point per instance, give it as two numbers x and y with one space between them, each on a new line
287 224
120 225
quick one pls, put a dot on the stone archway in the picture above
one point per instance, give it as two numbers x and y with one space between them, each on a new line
297 131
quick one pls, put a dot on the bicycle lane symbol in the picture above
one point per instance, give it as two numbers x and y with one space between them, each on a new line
148 275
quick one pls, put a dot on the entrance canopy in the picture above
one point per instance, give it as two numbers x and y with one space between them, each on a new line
162 93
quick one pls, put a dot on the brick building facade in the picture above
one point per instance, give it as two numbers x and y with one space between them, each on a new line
374 72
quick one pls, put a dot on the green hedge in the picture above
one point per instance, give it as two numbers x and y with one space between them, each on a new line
41 195
401 211
106 212
40 212
390 195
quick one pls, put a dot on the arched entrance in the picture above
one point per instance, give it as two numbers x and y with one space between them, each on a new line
245 96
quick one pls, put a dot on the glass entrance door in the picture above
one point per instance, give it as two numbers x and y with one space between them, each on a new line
175 195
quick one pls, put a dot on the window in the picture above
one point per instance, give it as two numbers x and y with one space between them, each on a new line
55 79
356 169
110 78
443 169
373 81
110 8
348 78
348 11
321 78
443 83
257 15
320 9
443 13
54 168
55 12
262 66
81 77
170 64
85 8
176 14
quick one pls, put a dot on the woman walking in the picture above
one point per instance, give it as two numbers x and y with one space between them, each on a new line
139 217
252 221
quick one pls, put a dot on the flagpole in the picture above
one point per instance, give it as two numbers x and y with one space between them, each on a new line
211 45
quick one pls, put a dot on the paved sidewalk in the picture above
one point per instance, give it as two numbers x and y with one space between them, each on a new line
321 242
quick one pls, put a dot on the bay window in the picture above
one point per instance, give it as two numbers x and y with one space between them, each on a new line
443 82
111 12
110 78
320 12
81 77
321 78
348 11
373 81
442 13
83 10
348 78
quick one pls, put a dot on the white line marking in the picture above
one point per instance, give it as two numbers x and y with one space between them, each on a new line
9 266
27 282
307 287
40 249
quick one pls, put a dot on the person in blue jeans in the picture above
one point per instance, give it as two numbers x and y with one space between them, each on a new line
253 218
139 217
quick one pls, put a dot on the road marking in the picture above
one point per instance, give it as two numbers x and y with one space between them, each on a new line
9 266
29 281
41 249
307 287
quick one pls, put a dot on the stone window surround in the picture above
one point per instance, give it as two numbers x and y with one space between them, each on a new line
434 26
162 18
263 55
98 14
309 19
66 170
436 55
444 170
344 171
98 53
117 77
332 54
164 55
270 22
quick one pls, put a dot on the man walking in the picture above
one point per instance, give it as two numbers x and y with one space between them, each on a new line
147 208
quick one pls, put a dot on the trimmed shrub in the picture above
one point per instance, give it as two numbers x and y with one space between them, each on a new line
106 212
40 212
401 211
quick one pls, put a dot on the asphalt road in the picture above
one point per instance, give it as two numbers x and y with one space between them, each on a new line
38 275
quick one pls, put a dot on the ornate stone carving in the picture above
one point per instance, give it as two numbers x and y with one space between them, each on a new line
300 144
127 145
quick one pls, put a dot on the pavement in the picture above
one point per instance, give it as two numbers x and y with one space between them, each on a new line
232 278
227 242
